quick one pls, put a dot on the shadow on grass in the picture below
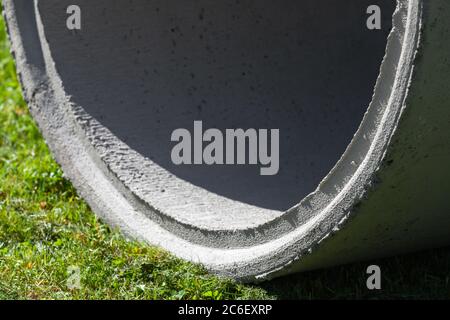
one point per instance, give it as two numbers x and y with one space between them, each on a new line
423 275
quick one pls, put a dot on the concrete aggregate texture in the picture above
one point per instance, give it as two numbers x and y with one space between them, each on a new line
362 118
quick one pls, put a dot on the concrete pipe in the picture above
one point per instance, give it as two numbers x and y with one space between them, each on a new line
257 138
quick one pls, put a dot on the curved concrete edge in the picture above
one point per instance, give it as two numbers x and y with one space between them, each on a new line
131 171
309 245
407 208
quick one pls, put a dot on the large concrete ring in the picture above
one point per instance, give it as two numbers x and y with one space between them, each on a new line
364 151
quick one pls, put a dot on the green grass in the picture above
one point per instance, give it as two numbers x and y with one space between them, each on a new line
45 228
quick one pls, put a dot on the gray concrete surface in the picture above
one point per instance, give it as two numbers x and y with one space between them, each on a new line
363 123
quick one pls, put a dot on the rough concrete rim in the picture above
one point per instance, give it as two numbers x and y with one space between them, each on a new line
260 257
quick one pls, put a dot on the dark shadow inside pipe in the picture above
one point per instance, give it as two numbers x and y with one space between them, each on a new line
145 68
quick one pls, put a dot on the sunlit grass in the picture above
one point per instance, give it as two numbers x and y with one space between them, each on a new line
45 228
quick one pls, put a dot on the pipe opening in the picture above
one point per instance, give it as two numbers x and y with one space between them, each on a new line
146 68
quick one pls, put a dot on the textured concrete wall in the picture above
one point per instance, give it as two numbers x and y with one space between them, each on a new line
408 208
364 149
